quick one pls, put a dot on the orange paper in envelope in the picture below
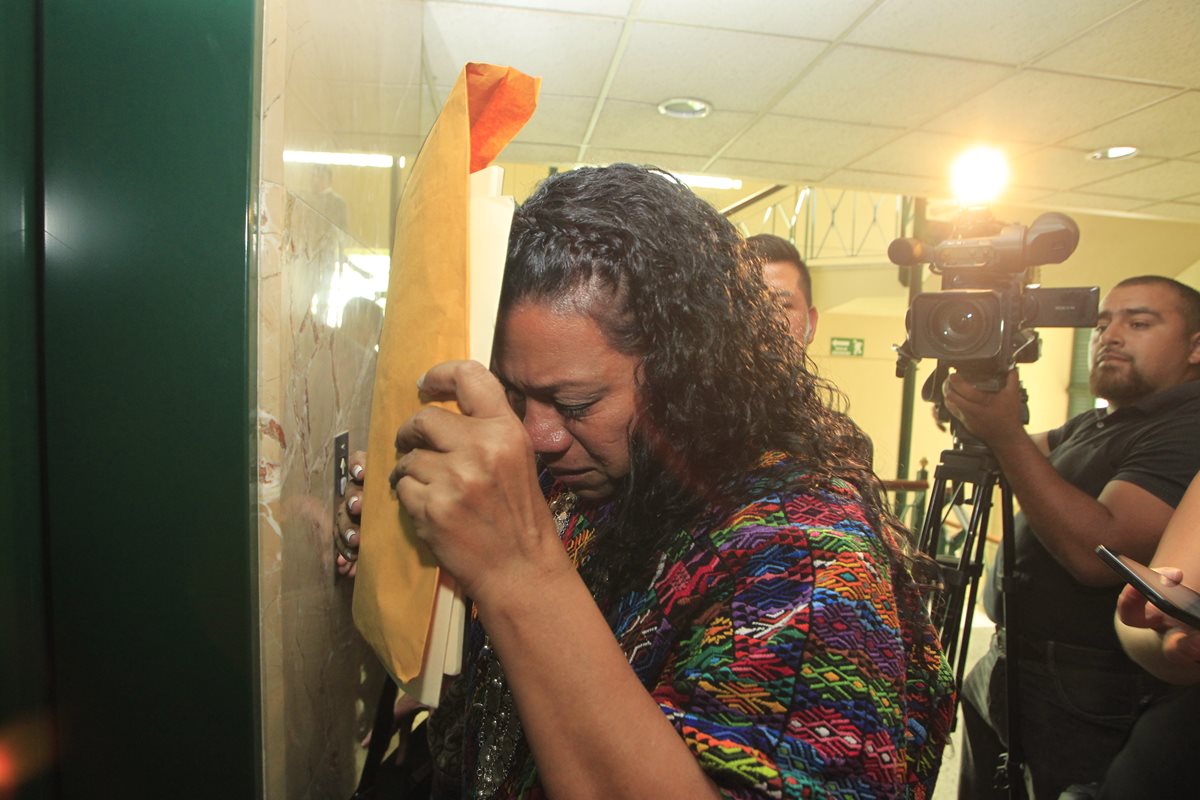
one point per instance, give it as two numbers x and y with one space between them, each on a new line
426 322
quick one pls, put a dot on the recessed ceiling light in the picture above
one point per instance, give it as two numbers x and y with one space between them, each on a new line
1112 153
684 108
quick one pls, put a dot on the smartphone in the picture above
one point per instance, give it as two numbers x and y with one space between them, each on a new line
1179 601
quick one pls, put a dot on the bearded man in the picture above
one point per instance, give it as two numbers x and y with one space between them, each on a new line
1109 476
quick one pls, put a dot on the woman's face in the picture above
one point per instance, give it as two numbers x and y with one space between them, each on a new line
575 394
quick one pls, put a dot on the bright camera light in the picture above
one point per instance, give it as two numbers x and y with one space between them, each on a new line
978 176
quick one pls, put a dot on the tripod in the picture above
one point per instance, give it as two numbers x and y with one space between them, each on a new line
972 464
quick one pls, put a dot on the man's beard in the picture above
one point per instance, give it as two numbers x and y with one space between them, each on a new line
1119 386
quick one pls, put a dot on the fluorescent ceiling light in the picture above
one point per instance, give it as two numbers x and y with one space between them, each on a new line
708 181
340 159
1112 153
372 263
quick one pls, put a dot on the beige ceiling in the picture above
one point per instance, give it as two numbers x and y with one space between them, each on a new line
877 94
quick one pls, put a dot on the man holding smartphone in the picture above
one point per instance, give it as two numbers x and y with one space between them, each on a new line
1108 477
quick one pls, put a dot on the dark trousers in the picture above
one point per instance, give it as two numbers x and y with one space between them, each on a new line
1160 757
1076 708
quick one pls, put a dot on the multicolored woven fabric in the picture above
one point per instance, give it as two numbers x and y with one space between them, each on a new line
777 642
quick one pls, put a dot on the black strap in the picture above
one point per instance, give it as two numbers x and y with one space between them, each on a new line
381 737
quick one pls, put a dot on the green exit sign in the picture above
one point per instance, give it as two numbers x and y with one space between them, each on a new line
842 346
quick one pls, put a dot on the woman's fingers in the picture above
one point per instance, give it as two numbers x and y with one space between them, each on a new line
479 396
478 392
346 568
414 496
431 428
422 466
356 466
345 537
347 516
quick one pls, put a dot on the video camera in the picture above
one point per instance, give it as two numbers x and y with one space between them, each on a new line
982 321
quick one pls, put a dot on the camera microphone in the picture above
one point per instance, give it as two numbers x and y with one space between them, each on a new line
908 252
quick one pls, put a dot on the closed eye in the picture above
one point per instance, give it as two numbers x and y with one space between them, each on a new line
573 411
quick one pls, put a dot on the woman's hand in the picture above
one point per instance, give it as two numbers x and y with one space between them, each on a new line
1180 642
469 481
347 516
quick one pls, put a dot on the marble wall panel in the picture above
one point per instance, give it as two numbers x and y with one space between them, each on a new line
319 679
315 369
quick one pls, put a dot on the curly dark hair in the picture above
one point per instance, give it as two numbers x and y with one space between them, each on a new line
670 280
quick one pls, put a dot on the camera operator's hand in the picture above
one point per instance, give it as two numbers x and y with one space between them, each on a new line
995 417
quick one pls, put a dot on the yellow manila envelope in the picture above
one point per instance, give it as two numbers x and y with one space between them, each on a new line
441 305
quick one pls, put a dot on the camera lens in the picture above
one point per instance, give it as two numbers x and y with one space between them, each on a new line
959 327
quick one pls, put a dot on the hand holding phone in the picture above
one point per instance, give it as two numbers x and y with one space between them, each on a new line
1173 599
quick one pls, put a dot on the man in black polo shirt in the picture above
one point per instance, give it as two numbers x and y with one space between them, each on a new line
1109 476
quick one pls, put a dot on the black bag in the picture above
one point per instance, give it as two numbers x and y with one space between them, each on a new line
407 772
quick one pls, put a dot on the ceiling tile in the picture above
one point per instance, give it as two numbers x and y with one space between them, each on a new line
304 127
570 53
353 142
813 19
885 182
1062 168
558 120
1043 107
672 162
808 141
862 84
524 153
1077 202
373 108
773 171
386 37
907 61
639 126
928 154
1164 181
433 98
1170 128
1085 201
1143 43
1184 211
1004 31
604 8
733 71
1020 194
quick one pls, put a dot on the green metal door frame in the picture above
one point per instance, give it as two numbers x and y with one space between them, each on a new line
25 683
149 130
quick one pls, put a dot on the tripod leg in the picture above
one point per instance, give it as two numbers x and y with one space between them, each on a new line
1015 765
971 564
